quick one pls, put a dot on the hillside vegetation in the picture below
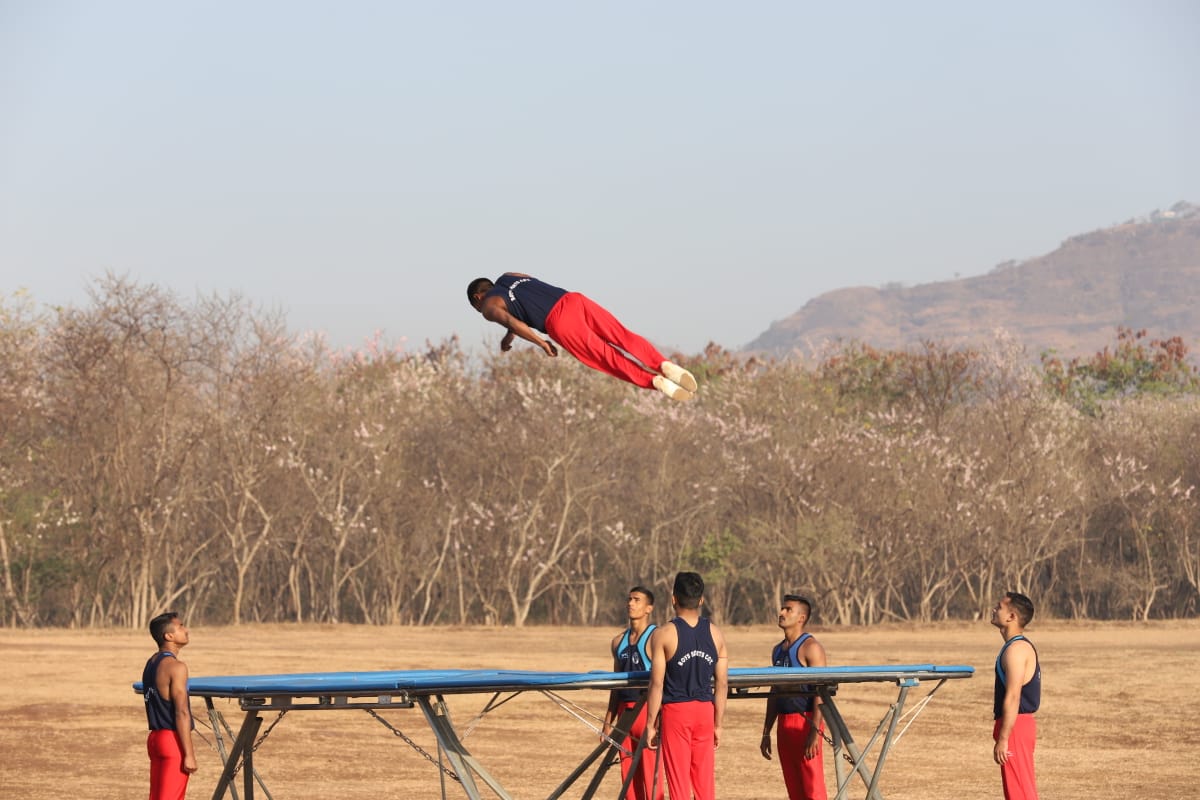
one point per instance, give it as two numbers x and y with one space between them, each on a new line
155 454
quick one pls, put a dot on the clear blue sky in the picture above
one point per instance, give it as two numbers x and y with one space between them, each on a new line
701 168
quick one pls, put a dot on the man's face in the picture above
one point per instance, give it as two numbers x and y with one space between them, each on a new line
638 606
1002 612
177 632
791 613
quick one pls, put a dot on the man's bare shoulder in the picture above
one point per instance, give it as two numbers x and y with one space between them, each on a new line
717 636
1019 652
1022 645
175 667
662 634
812 653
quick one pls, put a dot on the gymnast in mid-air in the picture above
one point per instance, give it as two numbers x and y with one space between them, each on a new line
585 329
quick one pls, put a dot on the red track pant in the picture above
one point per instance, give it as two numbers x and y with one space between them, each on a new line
1017 771
804 777
686 739
639 787
589 332
168 781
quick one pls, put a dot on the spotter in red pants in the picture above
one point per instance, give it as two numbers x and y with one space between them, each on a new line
804 777
689 752
168 781
1017 771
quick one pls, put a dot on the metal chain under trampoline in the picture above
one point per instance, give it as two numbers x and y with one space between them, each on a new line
845 753
396 731
259 742
913 712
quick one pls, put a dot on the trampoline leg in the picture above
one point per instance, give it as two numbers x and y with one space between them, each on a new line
840 768
218 724
887 740
841 735
217 720
243 749
608 750
465 765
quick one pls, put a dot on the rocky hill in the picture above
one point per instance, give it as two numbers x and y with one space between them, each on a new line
1144 273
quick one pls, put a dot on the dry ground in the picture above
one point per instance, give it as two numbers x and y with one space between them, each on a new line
1119 715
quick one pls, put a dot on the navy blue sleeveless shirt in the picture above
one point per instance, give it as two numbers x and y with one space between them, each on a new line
1031 693
160 711
527 299
690 671
784 656
632 657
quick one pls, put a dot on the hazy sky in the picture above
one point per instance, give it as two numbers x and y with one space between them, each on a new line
700 168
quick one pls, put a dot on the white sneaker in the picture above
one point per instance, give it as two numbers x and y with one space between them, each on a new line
677 374
671 389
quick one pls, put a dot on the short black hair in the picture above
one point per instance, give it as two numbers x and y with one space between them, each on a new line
643 590
688 589
1022 605
159 626
802 600
475 286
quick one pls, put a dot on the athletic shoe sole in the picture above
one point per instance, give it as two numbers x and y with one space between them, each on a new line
678 375
671 389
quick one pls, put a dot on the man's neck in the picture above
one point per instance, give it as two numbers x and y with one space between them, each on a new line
638 626
790 635
689 615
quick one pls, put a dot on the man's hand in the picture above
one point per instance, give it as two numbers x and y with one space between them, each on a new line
189 763
716 736
812 748
1000 752
506 342
764 746
549 348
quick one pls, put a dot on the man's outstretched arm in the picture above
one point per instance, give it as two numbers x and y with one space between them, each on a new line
493 310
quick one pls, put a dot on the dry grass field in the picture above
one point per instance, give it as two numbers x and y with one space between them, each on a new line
1119 715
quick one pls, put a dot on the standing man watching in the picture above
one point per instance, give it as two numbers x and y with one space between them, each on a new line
800 722
630 654
1018 694
689 682
522 305
164 686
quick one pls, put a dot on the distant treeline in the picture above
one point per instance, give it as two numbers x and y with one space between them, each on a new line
157 454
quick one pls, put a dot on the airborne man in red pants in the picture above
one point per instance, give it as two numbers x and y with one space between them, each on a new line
585 329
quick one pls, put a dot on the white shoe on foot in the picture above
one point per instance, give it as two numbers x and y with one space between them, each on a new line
677 374
671 389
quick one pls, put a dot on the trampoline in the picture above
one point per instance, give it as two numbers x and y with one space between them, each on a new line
426 690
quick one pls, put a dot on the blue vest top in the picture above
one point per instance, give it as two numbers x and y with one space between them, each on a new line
160 711
784 656
527 299
632 657
690 671
1031 693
